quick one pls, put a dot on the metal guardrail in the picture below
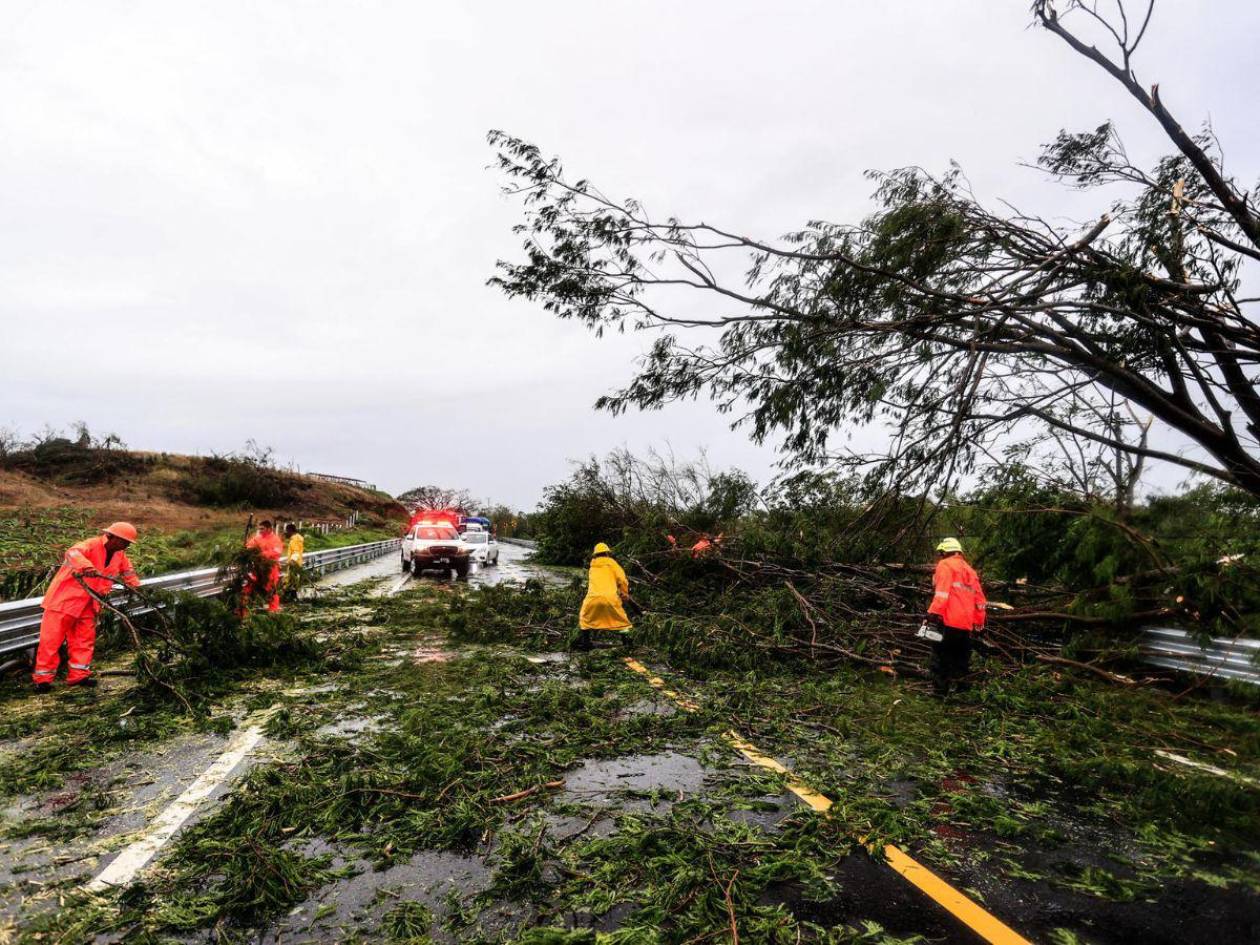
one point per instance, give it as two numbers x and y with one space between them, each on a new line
19 619
523 542
343 480
1222 657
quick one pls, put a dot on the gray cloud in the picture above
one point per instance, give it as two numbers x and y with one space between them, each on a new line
236 220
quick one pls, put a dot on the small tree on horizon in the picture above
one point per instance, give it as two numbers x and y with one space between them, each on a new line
438 497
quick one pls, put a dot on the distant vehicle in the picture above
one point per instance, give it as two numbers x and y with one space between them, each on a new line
483 548
475 521
436 546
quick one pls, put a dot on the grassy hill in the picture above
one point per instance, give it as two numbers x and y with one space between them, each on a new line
186 507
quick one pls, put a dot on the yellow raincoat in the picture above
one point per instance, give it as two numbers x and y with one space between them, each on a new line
602 609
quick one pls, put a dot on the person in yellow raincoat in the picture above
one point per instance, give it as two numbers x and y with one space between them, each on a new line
606 589
296 551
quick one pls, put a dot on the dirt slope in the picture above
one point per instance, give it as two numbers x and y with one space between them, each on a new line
169 492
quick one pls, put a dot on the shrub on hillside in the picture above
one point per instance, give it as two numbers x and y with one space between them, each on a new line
80 461
233 481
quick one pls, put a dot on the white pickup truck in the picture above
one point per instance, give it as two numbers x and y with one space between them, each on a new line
435 547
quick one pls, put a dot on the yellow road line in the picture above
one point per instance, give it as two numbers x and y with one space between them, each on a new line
969 913
657 683
988 926
819 802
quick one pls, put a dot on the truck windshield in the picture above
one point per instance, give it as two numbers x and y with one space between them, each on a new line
437 534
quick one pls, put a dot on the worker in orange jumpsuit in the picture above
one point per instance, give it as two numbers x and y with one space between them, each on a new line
957 611
271 547
705 545
70 611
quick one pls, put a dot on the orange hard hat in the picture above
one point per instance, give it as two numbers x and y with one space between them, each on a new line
124 530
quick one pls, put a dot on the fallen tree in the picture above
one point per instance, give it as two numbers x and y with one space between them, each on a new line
187 648
963 331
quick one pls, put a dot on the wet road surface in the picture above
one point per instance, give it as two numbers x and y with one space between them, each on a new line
513 566
149 782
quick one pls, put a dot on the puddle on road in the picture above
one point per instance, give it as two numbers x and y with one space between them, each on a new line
351 726
432 651
648 707
767 812
599 782
358 903
540 659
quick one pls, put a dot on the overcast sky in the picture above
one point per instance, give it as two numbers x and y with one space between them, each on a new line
230 220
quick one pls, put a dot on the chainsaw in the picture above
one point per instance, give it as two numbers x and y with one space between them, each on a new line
925 632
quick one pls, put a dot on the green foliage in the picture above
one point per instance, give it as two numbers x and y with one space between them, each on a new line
508 522
632 503
815 518
82 461
198 645
32 543
554 936
1192 558
230 481
1023 761
956 330
576 514
408 923
499 612
1197 553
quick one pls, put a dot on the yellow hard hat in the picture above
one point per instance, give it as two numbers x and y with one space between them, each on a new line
949 544
602 549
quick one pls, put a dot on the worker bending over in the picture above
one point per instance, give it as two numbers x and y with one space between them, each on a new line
607 588
957 610
70 611
269 545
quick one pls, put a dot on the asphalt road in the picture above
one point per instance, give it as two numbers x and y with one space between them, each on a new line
513 566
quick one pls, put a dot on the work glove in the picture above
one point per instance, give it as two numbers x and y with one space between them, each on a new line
936 620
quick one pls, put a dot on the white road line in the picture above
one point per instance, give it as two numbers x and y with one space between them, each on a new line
1210 769
399 586
123 869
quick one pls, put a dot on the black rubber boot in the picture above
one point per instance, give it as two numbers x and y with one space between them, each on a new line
89 683
43 687
583 641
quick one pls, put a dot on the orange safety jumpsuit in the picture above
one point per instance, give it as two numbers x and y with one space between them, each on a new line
70 612
957 596
958 601
271 546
